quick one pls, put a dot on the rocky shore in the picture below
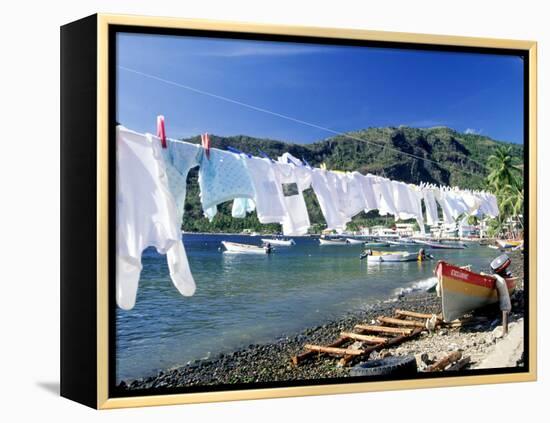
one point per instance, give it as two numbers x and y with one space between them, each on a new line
271 362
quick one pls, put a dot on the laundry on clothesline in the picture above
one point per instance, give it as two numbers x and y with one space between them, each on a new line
151 190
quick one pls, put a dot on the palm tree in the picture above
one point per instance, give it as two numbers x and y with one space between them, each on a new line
501 169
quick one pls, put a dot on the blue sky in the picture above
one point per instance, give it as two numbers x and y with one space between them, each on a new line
342 88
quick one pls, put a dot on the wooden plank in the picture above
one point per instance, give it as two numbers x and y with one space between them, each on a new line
390 343
301 357
333 350
400 322
413 314
383 329
364 338
445 361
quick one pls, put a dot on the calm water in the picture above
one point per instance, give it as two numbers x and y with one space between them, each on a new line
244 299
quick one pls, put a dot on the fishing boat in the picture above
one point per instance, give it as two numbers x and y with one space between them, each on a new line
353 241
332 241
509 243
441 245
462 290
234 247
388 257
281 242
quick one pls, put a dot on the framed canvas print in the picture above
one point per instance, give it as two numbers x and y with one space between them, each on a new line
254 211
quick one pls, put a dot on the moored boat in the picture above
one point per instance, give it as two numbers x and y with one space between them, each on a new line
333 241
440 245
509 243
462 290
279 242
353 241
234 247
389 257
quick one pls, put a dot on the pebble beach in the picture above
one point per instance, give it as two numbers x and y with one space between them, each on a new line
479 338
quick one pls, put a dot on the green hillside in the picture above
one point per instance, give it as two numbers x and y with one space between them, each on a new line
452 158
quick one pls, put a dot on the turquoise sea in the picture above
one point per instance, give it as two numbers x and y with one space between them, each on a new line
244 299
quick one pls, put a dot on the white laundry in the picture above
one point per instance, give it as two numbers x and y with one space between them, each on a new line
223 176
325 186
431 207
268 193
445 207
456 202
242 206
366 182
293 180
384 191
146 216
354 200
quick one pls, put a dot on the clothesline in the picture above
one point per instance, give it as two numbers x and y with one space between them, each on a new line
292 119
151 191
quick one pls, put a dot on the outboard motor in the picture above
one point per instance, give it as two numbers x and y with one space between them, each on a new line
500 266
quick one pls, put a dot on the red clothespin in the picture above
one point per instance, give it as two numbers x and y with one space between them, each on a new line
205 142
161 130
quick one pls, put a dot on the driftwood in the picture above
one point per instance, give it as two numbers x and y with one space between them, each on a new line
445 361
383 329
400 322
367 339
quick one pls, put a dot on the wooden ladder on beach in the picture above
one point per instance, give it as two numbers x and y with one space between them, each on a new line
389 332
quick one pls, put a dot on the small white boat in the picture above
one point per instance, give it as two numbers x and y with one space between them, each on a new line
279 242
353 241
234 247
335 241
389 257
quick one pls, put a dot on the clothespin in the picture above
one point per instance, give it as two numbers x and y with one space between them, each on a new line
161 130
205 142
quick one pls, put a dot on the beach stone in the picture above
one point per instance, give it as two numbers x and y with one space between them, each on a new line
443 332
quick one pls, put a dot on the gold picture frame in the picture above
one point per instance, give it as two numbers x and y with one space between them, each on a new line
102 300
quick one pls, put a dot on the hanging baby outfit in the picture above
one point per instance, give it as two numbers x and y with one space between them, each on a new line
223 177
146 216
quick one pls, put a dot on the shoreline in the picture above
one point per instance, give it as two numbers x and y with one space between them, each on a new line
481 339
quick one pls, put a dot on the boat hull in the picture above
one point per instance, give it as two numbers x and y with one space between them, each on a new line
399 257
279 242
354 241
235 248
463 291
440 245
506 243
